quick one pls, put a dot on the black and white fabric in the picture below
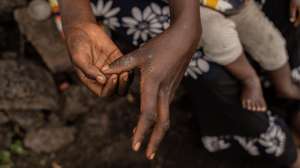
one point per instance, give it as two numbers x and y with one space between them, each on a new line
226 128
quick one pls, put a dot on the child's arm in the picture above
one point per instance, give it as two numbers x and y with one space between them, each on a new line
89 47
163 61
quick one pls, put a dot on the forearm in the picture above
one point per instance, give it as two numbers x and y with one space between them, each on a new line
75 13
185 22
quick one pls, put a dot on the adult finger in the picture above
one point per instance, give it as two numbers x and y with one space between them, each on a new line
293 12
88 69
110 86
297 22
92 85
148 112
123 79
161 127
122 64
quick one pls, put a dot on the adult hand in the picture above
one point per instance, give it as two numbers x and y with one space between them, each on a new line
295 12
90 49
162 62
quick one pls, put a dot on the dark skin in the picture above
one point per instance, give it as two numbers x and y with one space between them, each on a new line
87 52
295 13
162 62
252 94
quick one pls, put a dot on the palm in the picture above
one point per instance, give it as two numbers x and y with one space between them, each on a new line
91 49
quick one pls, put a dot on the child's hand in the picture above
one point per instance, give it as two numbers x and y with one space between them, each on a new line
295 12
90 49
162 62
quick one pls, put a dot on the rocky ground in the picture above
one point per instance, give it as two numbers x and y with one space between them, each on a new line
49 120
43 126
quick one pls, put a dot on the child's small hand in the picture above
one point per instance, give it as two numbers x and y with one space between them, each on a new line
90 49
295 12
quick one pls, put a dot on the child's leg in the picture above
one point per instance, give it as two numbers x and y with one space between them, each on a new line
252 95
267 46
222 45
283 83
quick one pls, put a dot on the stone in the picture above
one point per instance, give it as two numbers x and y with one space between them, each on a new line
27 120
5 137
45 37
78 101
7 6
3 118
48 140
25 86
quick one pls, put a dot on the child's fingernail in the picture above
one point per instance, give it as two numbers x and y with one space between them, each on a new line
137 146
105 68
134 130
292 19
125 78
101 79
152 156
115 80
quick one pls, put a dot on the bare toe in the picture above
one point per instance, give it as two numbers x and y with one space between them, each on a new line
252 96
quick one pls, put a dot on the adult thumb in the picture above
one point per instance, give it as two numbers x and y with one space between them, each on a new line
122 64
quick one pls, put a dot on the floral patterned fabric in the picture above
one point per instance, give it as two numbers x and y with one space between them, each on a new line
137 21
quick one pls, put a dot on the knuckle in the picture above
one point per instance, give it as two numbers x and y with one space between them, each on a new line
165 90
150 116
165 125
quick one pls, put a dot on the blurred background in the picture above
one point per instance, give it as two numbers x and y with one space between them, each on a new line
49 120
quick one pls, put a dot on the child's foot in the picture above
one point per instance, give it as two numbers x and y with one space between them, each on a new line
252 95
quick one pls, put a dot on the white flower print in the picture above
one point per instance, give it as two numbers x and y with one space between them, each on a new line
106 13
296 74
273 140
248 145
142 25
214 144
197 66
162 14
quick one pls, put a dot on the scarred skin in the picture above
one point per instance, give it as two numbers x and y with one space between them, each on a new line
162 62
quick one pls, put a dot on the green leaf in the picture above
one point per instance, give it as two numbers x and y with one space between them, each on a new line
17 148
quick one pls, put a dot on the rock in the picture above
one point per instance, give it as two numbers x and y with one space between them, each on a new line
78 100
46 39
49 140
5 137
26 87
8 5
27 120
3 118
39 10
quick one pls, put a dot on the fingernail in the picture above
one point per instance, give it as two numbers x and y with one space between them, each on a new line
105 68
137 146
125 78
101 79
114 80
134 130
152 156
292 20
